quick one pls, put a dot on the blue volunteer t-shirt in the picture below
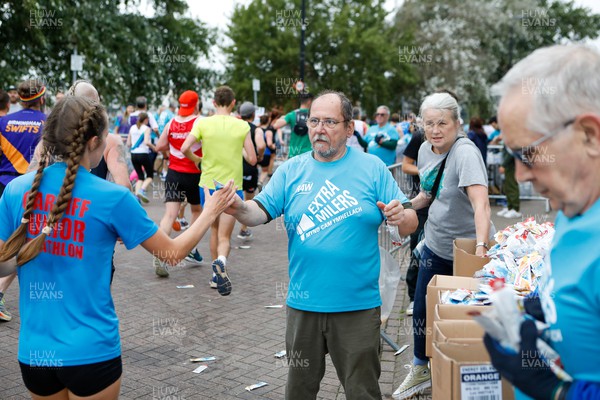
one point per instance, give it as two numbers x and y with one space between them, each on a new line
67 312
389 133
331 218
575 278
570 296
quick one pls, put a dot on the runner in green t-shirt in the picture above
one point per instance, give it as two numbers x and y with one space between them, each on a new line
298 143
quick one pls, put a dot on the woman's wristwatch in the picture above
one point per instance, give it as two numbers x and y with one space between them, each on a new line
484 244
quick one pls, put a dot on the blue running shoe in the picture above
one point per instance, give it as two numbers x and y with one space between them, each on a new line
223 282
194 257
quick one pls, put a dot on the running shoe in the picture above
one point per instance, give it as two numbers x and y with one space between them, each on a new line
245 234
194 257
160 268
502 212
213 282
409 309
223 282
4 315
142 196
184 224
417 380
512 214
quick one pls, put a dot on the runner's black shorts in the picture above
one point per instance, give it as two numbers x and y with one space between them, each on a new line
265 161
82 380
250 178
181 185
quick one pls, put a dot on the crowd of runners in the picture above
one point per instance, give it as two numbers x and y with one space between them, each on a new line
73 182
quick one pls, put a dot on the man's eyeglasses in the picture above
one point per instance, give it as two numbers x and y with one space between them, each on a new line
327 123
527 154
380 114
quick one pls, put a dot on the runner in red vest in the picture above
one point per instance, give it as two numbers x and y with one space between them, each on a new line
183 175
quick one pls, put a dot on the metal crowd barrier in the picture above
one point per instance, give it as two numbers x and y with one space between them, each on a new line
526 191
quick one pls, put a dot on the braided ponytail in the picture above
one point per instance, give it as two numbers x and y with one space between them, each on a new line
14 243
33 248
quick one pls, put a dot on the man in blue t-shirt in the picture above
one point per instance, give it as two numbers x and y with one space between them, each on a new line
333 302
383 137
556 145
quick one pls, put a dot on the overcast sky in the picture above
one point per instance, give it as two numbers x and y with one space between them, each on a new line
217 14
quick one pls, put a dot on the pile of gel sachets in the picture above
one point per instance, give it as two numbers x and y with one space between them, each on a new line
519 255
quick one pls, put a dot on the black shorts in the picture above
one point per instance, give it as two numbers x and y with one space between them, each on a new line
140 160
83 380
265 161
181 185
250 178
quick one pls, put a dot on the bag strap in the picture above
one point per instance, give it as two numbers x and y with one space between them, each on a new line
138 142
438 178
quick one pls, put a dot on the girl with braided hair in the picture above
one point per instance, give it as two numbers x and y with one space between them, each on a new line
59 225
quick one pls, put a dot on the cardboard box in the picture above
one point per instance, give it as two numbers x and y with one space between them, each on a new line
444 312
464 371
457 331
440 283
466 263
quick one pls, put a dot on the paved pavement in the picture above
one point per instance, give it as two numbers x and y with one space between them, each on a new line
162 326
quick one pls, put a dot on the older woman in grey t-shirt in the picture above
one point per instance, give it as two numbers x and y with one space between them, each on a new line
460 209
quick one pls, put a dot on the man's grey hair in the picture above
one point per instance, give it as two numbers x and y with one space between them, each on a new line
356 113
563 81
346 104
441 101
386 108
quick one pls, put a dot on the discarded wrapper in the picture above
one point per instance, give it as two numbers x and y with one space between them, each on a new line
200 369
185 287
256 386
275 306
244 247
280 354
203 359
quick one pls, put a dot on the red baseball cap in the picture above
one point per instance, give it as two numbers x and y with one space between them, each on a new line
187 103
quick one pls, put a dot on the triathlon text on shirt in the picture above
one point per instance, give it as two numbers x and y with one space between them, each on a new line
71 227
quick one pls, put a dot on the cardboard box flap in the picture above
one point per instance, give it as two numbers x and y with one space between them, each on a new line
460 329
466 263
474 353
439 283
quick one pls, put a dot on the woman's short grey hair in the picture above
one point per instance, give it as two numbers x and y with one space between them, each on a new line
563 81
441 101
346 104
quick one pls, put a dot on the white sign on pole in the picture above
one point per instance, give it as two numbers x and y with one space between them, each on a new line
76 62
256 85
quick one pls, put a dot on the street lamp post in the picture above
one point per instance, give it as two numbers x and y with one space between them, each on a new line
302 34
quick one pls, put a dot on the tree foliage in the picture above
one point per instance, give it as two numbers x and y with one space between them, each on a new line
468 45
348 48
127 54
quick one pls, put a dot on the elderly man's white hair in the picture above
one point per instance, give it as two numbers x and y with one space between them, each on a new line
563 81
386 108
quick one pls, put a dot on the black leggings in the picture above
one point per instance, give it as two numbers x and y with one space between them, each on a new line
81 380
143 160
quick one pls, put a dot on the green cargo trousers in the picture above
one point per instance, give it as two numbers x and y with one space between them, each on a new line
351 339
